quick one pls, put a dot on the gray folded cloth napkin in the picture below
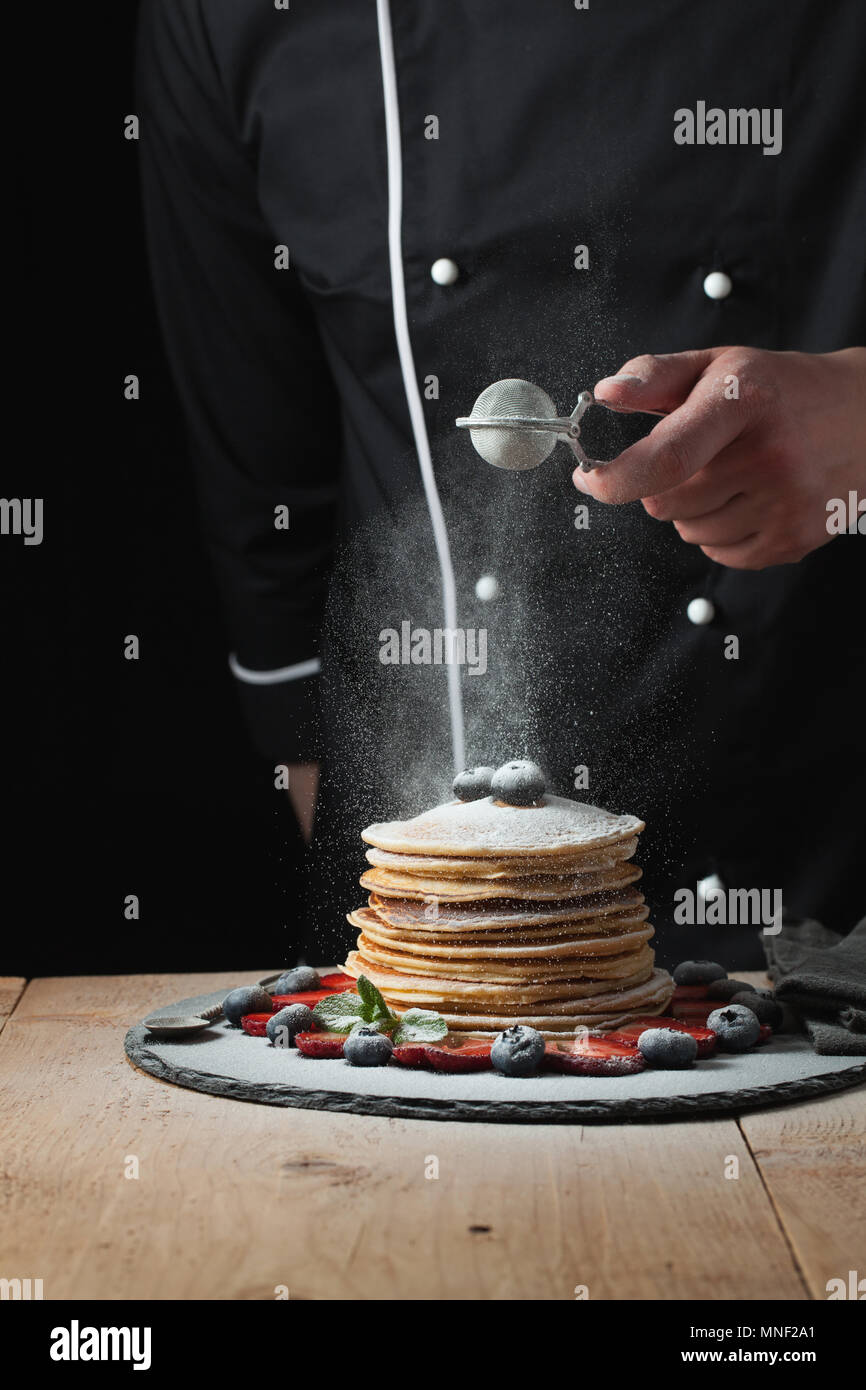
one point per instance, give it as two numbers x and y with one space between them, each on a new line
822 975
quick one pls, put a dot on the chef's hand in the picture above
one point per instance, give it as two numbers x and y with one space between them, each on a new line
752 447
303 789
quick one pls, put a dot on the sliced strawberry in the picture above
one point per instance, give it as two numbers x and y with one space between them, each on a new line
410 1054
330 984
593 1056
704 1037
630 1032
459 1052
309 997
683 992
338 982
320 1044
695 1010
255 1024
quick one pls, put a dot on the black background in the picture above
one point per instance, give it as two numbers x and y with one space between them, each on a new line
120 777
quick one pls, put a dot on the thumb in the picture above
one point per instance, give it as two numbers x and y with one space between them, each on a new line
655 384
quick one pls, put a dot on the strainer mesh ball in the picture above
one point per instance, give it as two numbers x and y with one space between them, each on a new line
513 449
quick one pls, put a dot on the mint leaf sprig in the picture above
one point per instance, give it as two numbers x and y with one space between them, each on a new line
374 1008
339 1013
342 1013
420 1025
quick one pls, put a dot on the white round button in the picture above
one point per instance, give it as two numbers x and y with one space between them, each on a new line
700 611
718 285
445 271
487 588
710 887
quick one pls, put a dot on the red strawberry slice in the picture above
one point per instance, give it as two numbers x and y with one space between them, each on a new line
320 1044
330 984
310 997
704 1037
630 1032
683 992
410 1054
695 1010
592 1056
255 1024
459 1052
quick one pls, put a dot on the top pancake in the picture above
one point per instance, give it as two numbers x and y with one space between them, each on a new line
464 829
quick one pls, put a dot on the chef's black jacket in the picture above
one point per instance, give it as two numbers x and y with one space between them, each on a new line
269 187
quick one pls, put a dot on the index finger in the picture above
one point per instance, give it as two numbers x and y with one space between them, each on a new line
674 450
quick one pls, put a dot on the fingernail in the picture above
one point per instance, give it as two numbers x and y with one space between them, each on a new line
623 376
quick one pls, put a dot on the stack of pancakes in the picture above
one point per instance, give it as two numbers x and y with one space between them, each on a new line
494 914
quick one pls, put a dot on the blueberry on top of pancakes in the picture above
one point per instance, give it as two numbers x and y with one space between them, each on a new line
518 783
472 783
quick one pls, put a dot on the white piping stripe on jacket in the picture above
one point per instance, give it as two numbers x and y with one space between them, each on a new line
407 363
282 673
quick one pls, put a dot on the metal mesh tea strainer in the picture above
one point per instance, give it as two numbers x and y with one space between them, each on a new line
514 425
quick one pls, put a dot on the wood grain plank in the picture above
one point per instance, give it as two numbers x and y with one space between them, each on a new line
812 1157
233 1200
130 997
11 989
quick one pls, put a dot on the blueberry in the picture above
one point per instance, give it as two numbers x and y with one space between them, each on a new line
472 783
668 1048
763 1005
518 1051
726 988
736 1027
366 1047
698 972
518 784
249 999
297 981
284 1026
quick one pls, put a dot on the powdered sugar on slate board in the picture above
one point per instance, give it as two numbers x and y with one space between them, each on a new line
489 827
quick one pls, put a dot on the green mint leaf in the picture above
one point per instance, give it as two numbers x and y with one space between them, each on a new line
374 1007
339 1013
420 1025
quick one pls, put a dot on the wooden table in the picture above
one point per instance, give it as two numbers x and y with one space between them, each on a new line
231 1198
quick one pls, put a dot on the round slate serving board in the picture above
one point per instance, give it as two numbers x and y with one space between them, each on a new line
225 1061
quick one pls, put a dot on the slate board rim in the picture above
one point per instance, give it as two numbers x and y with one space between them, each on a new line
629 1110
